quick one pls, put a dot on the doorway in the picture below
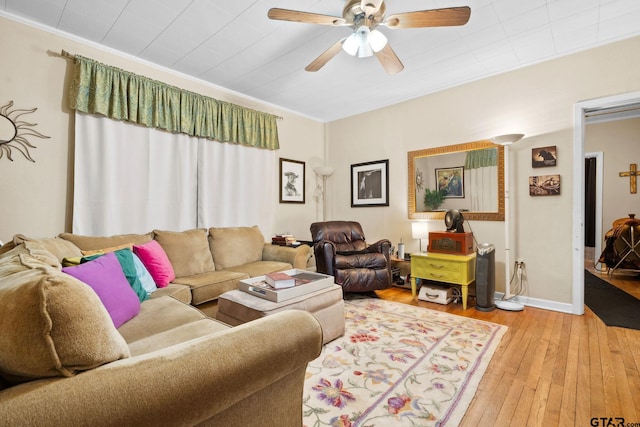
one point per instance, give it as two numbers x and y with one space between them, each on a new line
629 102
593 170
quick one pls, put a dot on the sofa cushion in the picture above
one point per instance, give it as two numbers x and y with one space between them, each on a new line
22 256
52 324
231 246
60 248
179 292
158 315
105 276
89 243
36 254
107 250
177 335
7 247
209 286
156 261
188 251
260 268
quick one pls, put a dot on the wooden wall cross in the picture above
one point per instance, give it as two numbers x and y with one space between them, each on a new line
632 174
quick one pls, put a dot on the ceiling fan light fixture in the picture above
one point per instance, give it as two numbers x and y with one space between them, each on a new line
364 42
358 43
365 51
363 17
350 44
377 40
364 48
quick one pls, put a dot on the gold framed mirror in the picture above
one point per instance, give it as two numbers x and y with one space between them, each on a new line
468 177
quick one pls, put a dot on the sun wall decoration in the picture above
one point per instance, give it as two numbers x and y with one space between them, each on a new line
14 132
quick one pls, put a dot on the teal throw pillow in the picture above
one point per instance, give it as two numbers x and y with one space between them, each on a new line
125 258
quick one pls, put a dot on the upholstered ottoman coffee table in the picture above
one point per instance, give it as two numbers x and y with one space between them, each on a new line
237 307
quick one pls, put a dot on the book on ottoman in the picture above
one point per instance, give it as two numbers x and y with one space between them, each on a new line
279 280
306 282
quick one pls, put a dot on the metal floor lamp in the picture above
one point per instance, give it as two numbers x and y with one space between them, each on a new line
324 172
507 303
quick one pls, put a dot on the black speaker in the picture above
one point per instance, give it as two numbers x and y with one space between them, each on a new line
485 276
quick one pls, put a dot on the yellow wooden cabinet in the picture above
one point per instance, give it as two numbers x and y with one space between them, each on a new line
446 268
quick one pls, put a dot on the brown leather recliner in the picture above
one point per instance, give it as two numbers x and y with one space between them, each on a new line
341 251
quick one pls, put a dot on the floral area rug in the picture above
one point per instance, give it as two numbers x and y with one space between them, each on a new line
398 365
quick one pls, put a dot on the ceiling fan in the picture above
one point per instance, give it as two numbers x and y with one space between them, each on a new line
364 16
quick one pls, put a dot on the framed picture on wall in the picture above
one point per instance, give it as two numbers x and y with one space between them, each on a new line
544 185
451 180
542 157
292 181
370 184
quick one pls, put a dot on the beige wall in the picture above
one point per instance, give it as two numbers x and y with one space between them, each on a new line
620 143
537 101
36 198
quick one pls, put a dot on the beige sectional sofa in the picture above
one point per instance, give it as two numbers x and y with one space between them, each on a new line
64 362
207 262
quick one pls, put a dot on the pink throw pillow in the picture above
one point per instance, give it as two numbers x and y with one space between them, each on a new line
157 262
105 276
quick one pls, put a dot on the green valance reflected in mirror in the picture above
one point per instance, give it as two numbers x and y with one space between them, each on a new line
468 177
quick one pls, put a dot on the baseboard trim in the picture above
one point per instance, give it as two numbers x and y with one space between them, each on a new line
540 303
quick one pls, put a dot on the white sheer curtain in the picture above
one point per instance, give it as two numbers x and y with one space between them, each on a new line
133 179
236 186
483 183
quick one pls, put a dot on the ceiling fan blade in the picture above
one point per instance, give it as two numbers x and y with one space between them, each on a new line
389 60
305 17
325 57
447 17
370 6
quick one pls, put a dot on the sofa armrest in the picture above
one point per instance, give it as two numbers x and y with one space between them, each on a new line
298 257
206 380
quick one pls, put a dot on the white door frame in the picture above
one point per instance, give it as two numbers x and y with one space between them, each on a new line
577 304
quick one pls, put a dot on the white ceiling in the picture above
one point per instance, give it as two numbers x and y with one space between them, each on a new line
232 44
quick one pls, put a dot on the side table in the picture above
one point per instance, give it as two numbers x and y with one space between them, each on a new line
403 264
446 268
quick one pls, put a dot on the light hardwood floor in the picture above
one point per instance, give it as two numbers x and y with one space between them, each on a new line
553 369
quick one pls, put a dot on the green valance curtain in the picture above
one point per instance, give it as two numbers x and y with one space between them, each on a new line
101 89
481 158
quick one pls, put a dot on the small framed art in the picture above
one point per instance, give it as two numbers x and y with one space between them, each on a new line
292 181
451 180
542 157
544 185
370 184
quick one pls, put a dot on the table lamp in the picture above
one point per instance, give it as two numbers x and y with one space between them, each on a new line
420 230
